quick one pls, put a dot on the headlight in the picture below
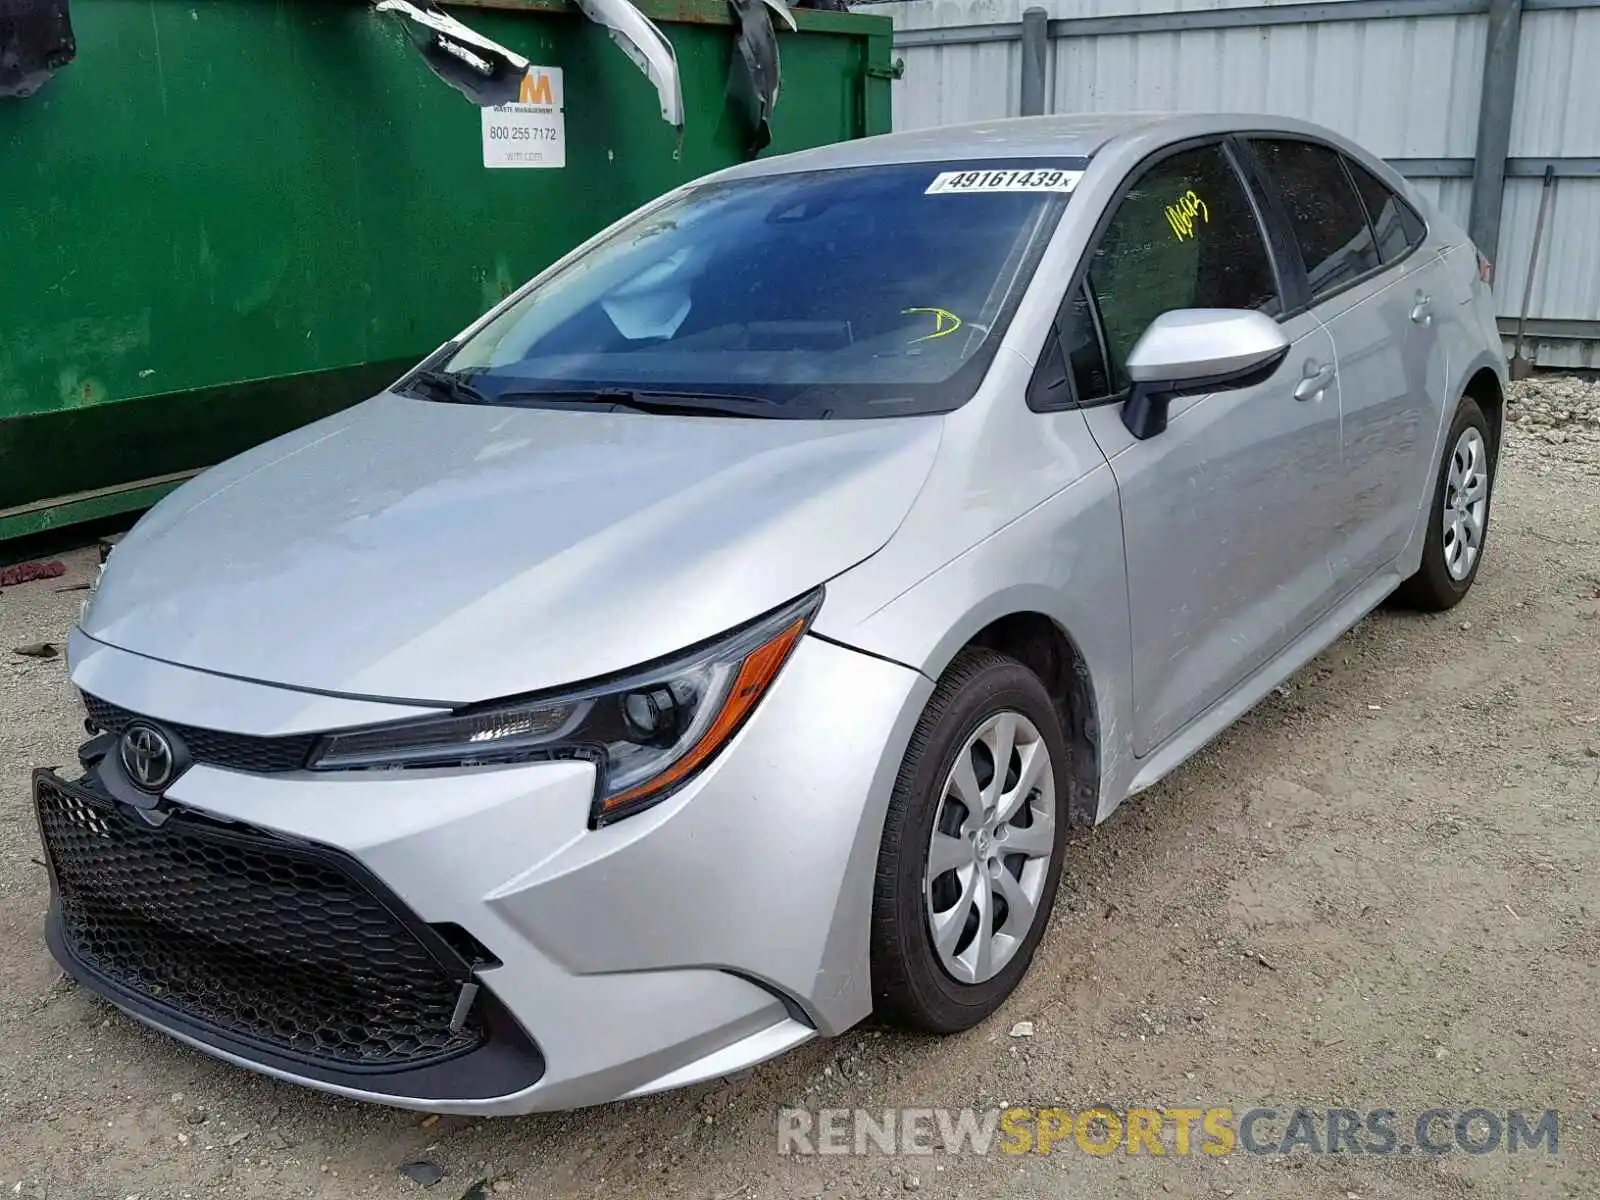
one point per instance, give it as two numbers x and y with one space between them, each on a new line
647 733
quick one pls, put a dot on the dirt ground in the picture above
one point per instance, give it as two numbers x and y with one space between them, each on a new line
1379 889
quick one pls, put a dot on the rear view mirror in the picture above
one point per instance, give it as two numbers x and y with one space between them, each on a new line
1197 349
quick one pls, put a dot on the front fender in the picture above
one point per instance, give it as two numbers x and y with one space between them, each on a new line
1062 559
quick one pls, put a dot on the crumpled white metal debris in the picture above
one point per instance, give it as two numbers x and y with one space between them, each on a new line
498 68
643 42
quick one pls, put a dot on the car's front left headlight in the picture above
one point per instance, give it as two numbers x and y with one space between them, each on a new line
647 733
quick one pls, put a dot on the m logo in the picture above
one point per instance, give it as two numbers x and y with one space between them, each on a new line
535 89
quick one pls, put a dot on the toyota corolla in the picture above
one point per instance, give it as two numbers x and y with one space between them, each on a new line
713 644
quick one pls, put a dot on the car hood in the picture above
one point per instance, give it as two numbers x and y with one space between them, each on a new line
452 553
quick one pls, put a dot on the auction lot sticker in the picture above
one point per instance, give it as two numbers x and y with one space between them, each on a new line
1046 179
531 132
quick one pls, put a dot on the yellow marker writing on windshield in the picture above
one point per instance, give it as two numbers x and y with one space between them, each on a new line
945 323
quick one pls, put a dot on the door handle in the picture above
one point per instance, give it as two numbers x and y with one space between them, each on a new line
1316 382
1422 310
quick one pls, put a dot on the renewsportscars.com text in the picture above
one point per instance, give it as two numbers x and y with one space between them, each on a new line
1212 1131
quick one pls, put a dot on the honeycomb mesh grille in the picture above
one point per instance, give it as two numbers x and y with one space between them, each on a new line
234 751
259 939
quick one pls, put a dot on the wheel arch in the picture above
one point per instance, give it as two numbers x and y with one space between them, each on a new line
1043 643
1484 386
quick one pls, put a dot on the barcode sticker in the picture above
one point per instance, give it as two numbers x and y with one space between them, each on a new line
1047 179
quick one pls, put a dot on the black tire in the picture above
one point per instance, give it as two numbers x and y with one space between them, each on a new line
911 987
1433 588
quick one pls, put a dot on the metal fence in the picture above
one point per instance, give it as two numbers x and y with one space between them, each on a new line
1472 99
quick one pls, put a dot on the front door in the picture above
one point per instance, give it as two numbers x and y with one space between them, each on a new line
1225 514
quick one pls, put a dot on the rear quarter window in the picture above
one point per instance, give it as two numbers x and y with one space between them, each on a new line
1395 224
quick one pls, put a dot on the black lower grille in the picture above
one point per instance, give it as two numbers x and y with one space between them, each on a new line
213 747
266 941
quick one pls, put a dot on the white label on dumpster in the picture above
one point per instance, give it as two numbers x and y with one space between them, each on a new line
531 132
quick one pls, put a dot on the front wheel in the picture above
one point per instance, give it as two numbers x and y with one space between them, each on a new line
972 847
1458 516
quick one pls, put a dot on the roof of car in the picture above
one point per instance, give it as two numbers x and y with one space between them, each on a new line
1078 135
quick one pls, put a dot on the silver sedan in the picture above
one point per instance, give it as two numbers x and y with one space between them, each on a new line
713 644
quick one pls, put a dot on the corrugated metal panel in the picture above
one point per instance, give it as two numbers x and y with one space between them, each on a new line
1567 283
1561 356
924 14
1378 82
1404 87
1556 113
1569 356
1556 110
1453 196
945 85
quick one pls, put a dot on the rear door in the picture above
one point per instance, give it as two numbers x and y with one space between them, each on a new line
1224 513
1377 298
1426 293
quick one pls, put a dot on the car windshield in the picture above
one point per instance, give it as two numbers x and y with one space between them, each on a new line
872 291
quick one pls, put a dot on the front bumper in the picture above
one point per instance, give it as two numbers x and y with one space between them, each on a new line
272 950
692 940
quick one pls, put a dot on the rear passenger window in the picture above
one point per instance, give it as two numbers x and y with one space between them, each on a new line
1328 217
1396 224
1185 236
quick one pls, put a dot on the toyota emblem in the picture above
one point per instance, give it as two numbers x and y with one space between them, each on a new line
147 756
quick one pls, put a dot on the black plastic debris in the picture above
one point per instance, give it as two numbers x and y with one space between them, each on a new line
482 70
754 76
35 42
490 75
422 1172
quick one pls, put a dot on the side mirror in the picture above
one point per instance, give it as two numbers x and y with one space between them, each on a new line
1197 350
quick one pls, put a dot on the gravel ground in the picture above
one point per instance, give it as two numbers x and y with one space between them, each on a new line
1378 889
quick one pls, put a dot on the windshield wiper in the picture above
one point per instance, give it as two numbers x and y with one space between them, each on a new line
447 386
650 401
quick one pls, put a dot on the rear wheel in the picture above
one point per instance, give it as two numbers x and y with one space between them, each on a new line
972 847
1458 516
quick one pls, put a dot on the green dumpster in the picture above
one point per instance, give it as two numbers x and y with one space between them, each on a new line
225 218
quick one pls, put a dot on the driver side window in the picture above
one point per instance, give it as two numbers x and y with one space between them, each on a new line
1184 236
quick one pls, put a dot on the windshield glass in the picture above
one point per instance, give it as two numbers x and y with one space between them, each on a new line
871 291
